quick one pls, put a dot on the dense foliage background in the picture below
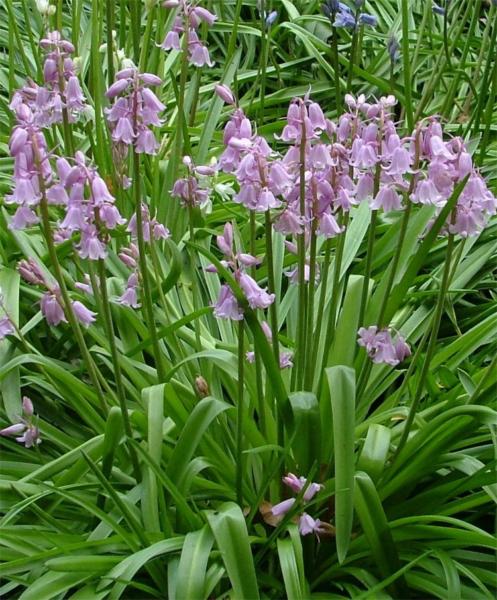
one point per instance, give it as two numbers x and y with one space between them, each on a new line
169 497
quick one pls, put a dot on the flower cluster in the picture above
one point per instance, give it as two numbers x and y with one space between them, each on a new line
193 190
342 15
306 523
188 19
227 306
51 303
261 179
89 206
61 90
32 168
446 164
135 111
359 158
380 346
25 430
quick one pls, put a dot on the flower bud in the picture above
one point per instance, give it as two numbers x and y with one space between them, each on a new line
201 386
27 407
225 93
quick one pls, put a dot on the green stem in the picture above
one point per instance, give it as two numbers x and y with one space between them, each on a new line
260 395
121 395
336 68
335 295
109 10
73 322
240 415
273 309
322 297
368 267
193 269
148 310
430 350
406 60
297 375
353 45
234 31
309 363
135 28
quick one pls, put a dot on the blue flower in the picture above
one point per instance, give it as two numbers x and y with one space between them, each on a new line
344 19
365 19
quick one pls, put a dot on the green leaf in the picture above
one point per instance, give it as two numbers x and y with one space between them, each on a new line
375 450
307 428
341 382
191 574
10 390
230 531
198 422
291 565
375 526
153 399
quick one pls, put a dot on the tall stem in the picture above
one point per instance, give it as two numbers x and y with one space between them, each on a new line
302 308
335 295
430 350
109 10
148 310
368 266
406 61
193 268
240 415
73 322
273 309
309 363
336 67
121 395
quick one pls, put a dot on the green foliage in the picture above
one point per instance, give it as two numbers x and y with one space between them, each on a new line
411 518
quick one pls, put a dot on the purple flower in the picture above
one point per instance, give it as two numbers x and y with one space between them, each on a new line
256 296
227 306
296 484
366 19
6 327
188 19
83 314
225 241
225 93
51 309
90 245
74 94
309 525
135 110
387 198
380 346
30 432
282 507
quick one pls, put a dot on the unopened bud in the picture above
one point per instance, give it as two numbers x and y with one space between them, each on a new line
201 386
224 92
27 406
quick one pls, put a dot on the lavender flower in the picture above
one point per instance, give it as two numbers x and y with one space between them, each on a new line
61 90
51 308
188 19
225 93
6 327
135 111
130 295
30 432
227 306
193 190
381 348
85 316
